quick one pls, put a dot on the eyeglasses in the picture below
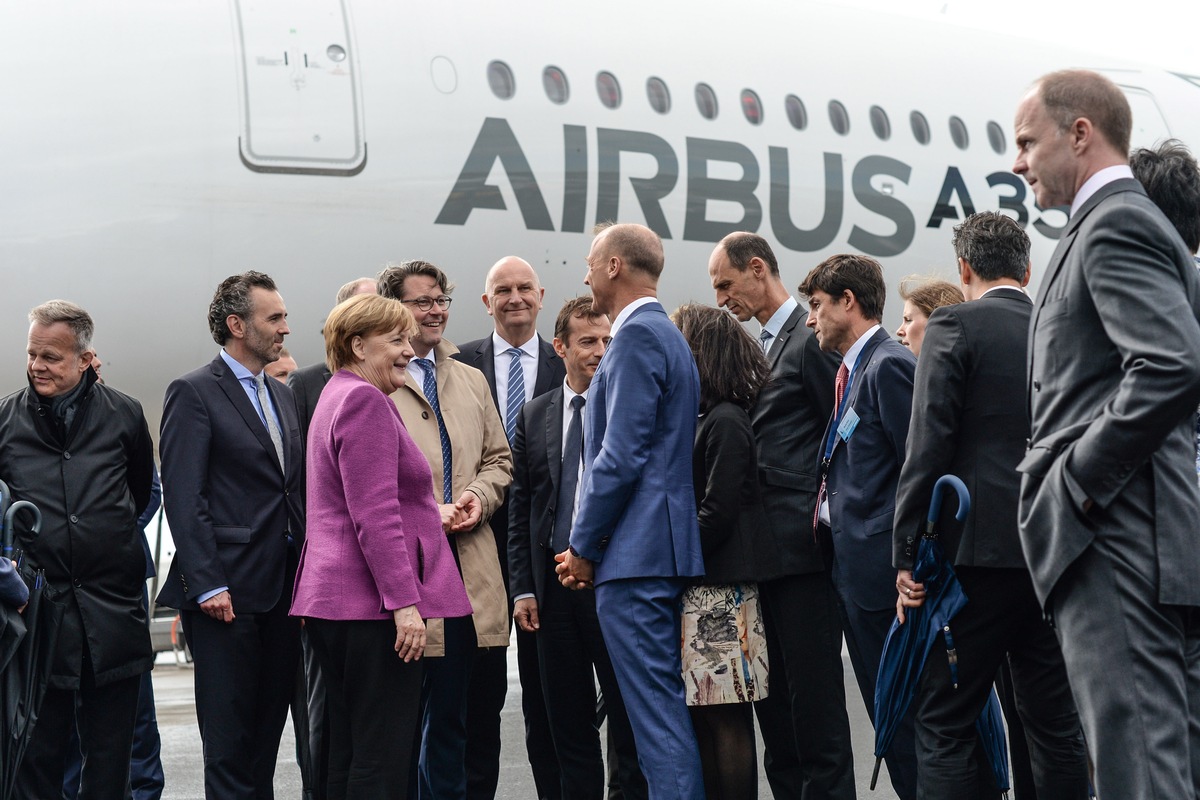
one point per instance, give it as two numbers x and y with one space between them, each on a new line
426 303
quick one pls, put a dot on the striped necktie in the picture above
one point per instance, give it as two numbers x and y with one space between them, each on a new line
516 393
429 387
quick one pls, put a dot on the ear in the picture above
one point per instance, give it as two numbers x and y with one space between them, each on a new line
757 266
1028 274
236 325
85 359
560 347
487 303
848 298
359 348
614 267
1082 133
965 273
541 296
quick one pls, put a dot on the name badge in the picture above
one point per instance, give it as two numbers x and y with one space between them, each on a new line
845 428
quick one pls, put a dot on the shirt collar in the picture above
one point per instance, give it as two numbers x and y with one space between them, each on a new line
569 394
851 357
530 348
1001 289
775 323
238 368
627 312
1098 181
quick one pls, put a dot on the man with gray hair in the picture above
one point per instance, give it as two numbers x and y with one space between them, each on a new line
81 452
1109 509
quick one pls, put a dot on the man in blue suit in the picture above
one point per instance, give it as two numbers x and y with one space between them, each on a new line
635 537
860 468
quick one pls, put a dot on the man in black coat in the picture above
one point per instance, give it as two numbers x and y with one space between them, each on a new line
513 296
563 623
804 723
81 452
232 475
969 419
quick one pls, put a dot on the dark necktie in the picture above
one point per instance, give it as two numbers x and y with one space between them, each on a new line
764 338
568 479
429 387
516 393
839 390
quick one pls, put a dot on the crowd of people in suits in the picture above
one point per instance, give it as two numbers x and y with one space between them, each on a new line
665 505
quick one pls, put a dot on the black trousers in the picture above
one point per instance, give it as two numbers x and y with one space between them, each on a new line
571 646
486 692
1001 620
245 672
106 716
373 701
804 724
539 743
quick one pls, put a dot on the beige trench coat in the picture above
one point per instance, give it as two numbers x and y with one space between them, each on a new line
482 465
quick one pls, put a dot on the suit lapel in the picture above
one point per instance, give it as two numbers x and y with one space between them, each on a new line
485 360
856 379
545 372
785 333
554 418
232 388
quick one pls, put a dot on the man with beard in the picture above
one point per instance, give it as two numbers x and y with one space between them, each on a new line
232 465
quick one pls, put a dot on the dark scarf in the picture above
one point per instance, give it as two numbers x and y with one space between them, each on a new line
64 407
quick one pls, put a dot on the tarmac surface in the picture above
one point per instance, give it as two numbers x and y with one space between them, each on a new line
184 766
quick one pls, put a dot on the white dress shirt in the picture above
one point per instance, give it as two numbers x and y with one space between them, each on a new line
775 323
1098 181
627 312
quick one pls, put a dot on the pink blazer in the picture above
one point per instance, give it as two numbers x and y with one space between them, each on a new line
374 540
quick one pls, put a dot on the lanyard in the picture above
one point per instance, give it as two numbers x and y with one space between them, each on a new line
837 412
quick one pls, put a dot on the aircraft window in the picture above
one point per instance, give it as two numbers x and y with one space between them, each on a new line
958 133
659 94
880 123
795 112
752 106
996 138
608 89
555 84
500 78
920 127
838 117
706 101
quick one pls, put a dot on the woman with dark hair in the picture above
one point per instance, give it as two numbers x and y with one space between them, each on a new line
375 563
724 648
921 296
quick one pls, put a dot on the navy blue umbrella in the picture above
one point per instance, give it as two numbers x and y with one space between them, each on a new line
908 645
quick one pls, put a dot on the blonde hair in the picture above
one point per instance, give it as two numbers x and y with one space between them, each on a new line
361 315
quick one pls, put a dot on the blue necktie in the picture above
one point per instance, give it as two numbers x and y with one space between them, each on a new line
568 479
516 393
429 387
765 338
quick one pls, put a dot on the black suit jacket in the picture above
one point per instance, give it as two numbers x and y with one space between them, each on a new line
735 534
481 354
306 384
229 505
533 494
788 420
968 419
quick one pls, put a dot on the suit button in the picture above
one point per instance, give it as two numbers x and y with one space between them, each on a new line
74 518
1037 386
78 584
67 455
424 415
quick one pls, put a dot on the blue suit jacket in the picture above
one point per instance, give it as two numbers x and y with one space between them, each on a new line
637 507
864 470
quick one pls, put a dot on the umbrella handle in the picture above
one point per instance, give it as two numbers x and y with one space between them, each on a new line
11 514
935 503
7 538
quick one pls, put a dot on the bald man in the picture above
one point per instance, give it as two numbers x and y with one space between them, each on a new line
519 365
636 538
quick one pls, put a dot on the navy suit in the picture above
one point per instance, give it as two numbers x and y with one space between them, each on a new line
637 522
489 678
861 479
232 511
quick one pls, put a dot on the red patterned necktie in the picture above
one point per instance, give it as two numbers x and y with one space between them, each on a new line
839 390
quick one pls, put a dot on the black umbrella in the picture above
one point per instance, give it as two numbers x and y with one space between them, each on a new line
23 682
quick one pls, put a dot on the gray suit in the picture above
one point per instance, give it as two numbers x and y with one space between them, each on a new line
1114 379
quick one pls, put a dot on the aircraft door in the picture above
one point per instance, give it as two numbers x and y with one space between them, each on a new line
299 86
1149 125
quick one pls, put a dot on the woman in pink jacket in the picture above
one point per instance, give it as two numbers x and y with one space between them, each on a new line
375 562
